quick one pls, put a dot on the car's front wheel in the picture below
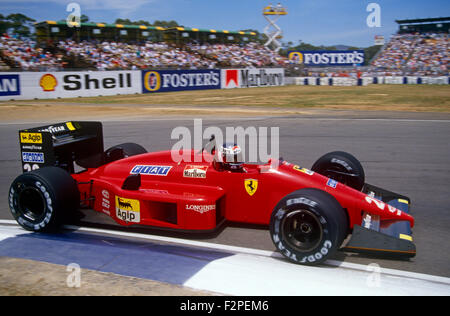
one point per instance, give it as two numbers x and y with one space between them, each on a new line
308 226
343 167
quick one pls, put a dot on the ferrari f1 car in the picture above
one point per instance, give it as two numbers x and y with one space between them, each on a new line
309 212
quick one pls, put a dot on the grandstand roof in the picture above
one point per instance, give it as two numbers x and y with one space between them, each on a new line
142 27
427 20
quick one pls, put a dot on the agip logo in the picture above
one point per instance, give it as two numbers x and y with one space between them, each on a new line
152 81
48 82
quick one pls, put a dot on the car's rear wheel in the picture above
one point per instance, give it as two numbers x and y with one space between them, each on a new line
308 226
40 200
342 167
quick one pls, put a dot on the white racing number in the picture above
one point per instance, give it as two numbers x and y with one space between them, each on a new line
28 167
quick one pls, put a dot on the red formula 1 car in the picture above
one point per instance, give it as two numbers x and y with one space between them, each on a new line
309 212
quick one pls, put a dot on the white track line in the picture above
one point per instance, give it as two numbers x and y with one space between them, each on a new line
249 251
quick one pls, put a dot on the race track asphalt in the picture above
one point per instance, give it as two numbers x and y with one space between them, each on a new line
408 153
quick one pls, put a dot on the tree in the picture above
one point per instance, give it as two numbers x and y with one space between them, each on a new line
4 24
21 24
166 24
84 18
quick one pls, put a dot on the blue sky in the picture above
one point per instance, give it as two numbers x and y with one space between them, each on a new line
320 22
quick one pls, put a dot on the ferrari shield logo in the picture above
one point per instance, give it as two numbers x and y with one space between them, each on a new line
251 185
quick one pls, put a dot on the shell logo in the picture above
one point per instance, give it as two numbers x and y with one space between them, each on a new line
48 82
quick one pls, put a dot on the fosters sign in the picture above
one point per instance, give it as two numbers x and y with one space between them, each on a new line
247 78
178 80
328 58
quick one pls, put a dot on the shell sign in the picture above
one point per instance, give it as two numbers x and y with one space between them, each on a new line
48 82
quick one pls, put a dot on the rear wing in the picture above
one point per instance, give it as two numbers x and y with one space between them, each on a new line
61 145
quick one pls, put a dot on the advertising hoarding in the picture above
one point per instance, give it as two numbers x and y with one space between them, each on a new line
328 57
179 80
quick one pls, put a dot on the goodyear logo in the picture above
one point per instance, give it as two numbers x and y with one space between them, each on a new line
152 81
151 170
31 138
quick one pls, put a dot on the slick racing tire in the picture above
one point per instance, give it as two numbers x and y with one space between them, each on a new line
123 151
342 167
308 226
40 200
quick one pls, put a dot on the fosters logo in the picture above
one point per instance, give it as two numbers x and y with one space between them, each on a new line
179 80
152 81
296 57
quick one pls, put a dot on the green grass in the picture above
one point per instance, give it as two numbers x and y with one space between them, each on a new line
429 98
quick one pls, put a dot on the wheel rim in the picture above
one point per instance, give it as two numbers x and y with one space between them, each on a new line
31 204
302 230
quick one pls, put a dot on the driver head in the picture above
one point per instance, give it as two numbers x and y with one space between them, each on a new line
229 155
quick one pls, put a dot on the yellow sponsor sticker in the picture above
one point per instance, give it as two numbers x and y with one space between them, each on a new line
251 185
304 170
406 237
31 138
128 210
70 126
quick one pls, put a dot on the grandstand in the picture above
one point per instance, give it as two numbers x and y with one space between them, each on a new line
430 25
61 30
101 46
420 47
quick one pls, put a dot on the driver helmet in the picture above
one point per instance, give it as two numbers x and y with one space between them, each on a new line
230 157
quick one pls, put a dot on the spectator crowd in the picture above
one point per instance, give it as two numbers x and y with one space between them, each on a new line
111 55
24 54
418 54
404 54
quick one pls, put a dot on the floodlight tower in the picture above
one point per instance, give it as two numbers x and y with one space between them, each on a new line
272 13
